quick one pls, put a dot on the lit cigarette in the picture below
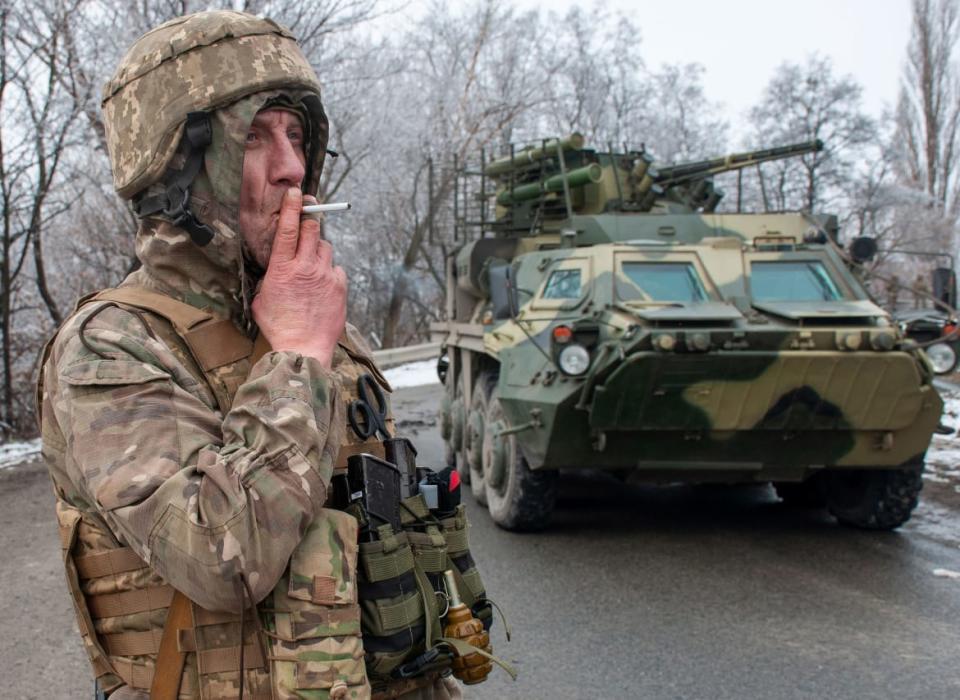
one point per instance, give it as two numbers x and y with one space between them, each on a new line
333 206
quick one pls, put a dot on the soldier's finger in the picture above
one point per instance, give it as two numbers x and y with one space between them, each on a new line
340 276
288 227
324 253
309 239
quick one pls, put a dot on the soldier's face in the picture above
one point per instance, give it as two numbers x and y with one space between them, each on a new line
273 162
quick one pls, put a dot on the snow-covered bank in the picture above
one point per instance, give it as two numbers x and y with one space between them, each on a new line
413 374
14 453
943 456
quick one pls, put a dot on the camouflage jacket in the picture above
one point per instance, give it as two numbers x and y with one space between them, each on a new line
139 448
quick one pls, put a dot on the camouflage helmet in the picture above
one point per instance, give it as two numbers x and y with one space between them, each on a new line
193 65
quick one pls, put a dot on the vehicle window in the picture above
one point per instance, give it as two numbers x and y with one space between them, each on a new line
563 284
662 281
806 280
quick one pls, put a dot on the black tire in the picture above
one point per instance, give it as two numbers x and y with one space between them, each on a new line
521 499
473 433
873 499
801 494
452 456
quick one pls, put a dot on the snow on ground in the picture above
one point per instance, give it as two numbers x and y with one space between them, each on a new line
935 520
14 453
947 573
414 374
943 456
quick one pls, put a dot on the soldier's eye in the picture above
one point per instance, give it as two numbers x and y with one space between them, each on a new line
251 136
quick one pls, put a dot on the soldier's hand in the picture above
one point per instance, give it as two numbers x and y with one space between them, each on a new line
302 303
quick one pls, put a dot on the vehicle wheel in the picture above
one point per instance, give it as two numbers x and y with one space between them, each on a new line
518 498
449 406
943 357
473 433
801 494
875 499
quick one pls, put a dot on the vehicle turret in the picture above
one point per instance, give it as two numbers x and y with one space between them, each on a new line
560 178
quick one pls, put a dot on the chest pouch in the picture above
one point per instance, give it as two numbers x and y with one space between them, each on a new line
403 554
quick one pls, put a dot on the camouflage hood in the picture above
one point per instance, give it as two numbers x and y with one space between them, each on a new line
220 276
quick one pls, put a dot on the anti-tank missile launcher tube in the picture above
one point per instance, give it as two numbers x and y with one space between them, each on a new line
528 156
575 178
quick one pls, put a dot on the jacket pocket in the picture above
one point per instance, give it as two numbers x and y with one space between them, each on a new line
315 637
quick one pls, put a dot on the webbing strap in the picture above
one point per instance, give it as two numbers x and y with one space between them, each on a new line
471 577
181 315
380 568
261 346
464 649
95 651
432 628
136 675
129 602
170 660
433 561
66 535
228 659
132 643
218 343
457 541
430 550
414 508
112 561
202 617
213 342
403 614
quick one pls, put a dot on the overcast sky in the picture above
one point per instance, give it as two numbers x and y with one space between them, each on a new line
741 42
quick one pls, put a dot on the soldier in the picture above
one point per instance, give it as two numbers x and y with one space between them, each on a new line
191 464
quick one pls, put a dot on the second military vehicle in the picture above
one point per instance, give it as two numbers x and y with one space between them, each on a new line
601 314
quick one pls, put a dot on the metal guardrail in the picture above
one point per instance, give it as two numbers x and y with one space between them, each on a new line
410 353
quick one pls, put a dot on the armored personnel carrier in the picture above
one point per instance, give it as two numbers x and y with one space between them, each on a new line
603 315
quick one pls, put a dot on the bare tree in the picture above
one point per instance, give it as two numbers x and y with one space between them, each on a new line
678 122
460 91
928 110
803 103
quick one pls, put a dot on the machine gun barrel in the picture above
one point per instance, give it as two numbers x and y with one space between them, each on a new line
676 174
528 156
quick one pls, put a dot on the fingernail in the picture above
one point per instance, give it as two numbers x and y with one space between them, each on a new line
293 192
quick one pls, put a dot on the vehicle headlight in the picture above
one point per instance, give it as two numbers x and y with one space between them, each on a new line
942 357
574 360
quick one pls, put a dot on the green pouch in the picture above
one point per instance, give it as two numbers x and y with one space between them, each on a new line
391 603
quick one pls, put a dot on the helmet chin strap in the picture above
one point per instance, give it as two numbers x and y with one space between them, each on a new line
174 202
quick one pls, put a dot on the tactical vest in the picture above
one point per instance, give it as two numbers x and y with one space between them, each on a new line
133 622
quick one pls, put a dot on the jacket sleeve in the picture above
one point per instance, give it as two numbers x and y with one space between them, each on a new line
202 497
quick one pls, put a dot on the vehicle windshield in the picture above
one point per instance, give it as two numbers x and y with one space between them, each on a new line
662 281
563 284
800 280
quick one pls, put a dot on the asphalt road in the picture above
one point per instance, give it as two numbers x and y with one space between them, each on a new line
633 593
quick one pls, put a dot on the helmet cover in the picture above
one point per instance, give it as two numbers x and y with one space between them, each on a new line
197 63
